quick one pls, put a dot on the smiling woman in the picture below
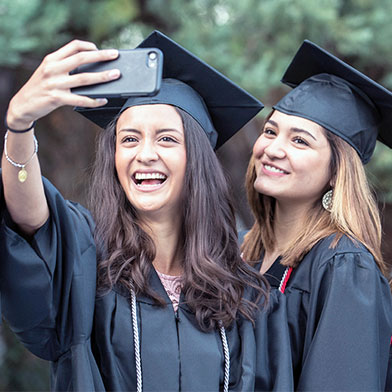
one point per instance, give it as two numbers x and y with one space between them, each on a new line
292 158
151 159
152 295
317 229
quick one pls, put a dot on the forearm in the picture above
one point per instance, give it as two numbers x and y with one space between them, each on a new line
47 89
26 201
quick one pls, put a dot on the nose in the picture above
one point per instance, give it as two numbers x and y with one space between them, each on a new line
147 152
273 148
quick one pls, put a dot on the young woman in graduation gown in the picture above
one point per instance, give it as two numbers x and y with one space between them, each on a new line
175 308
317 227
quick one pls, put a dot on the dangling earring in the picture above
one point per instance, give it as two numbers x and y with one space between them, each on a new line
327 200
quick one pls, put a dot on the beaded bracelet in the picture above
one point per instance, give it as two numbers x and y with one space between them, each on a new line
15 130
22 174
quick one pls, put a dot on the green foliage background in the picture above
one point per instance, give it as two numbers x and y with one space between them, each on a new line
251 41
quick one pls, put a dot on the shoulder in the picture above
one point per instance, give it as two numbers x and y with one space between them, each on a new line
328 251
328 259
81 213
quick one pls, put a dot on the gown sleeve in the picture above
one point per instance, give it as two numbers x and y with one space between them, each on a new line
349 326
273 355
47 282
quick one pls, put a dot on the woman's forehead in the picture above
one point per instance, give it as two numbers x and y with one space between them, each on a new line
150 116
295 122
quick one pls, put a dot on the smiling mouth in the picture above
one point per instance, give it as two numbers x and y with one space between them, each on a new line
149 179
274 169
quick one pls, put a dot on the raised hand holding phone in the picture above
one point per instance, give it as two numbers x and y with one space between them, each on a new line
47 89
50 85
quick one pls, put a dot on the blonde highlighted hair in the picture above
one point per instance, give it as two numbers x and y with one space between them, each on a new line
354 212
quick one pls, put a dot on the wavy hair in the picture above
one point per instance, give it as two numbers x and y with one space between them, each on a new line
215 278
354 211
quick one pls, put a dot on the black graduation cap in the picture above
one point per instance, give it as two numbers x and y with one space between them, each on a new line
220 106
338 97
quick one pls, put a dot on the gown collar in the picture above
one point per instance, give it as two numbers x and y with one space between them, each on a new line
156 284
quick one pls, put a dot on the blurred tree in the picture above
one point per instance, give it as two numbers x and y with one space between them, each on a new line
27 26
38 26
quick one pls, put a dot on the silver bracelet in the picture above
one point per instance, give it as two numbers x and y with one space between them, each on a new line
22 174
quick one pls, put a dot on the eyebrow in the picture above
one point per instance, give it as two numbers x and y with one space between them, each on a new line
293 129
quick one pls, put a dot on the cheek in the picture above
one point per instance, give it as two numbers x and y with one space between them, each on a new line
120 164
259 146
181 165
324 168
315 171
175 158
325 175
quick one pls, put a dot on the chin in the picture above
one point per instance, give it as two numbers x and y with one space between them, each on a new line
259 188
147 208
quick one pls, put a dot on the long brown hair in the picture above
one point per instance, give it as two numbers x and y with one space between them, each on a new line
354 211
215 277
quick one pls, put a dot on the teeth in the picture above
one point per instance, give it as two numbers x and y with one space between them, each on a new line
150 176
274 169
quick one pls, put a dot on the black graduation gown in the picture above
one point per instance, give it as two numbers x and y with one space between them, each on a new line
48 297
340 318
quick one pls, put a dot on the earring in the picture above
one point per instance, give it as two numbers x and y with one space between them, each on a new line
327 200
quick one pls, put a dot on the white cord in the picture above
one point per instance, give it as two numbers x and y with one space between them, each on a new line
226 353
136 343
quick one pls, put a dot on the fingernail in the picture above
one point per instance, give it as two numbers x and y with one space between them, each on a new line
114 73
113 53
101 101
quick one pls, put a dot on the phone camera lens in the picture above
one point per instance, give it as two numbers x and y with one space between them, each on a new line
152 59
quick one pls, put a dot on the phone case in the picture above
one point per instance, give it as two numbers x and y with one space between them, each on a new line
141 74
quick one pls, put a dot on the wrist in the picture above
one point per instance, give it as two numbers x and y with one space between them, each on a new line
16 122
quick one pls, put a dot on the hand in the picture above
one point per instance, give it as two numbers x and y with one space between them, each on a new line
50 85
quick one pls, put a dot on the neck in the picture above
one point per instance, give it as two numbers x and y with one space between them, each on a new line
166 234
287 219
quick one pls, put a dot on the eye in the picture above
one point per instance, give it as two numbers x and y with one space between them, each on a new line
168 139
300 140
128 139
268 132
